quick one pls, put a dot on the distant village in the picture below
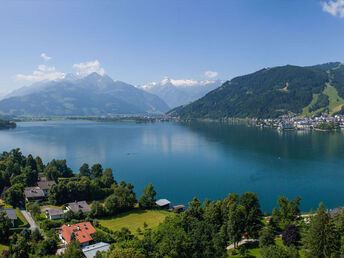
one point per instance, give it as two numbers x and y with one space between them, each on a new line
322 123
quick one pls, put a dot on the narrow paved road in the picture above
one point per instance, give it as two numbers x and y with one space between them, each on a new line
30 220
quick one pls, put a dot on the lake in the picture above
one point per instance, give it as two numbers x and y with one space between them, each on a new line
206 160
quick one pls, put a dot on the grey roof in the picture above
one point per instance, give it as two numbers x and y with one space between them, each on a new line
45 185
33 192
10 213
76 206
163 202
91 250
177 207
54 212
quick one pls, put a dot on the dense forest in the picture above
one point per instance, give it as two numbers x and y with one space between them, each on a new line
268 93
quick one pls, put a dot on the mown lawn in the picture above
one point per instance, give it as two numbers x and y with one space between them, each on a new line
135 219
3 247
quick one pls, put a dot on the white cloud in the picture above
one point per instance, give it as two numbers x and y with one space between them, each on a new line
177 83
211 74
43 73
334 7
87 68
45 57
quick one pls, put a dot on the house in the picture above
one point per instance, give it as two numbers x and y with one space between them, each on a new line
82 232
91 250
33 194
163 203
45 186
54 213
76 206
42 177
11 214
178 208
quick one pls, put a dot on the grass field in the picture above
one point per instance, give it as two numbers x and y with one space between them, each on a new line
135 219
3 247
21 220
336 102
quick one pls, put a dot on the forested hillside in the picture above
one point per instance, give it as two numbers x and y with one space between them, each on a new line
272 92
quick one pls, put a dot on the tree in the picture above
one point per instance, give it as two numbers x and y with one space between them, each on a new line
36 236
31 163
252 214
236 223
111 204
291 235
170 239
287 214
118 252
85 170
96 171
267 237
51 172
73 250
107 178
47 247
34 209
39 164
30 176
276 251
147 200
321 239
5 225
97 210
14 195
19 247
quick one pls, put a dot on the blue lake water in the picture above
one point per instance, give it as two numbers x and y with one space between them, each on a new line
207 160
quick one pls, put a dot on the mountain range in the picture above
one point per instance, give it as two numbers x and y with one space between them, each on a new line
93 95
273 92
179 92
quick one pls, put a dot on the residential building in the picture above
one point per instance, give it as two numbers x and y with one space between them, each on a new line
54 213
81 232
163 203
76 206
11 214
45 186
33 194
91 250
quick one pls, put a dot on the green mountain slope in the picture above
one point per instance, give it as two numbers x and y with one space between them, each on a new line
273 92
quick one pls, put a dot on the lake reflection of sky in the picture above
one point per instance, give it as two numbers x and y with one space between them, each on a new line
207 160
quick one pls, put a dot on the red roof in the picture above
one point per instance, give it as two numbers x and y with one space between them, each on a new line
82 232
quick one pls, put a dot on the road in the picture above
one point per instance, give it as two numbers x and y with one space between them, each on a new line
30 220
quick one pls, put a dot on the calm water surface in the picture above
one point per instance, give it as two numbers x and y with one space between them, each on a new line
207 160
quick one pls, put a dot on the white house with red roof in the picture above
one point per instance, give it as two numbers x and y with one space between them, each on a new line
81 232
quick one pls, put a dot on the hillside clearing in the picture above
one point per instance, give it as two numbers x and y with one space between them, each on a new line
336 102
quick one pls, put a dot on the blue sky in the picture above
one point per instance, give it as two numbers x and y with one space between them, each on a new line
140 41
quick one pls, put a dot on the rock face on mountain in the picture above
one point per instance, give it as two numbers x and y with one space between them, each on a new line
94 95
179 92
273 92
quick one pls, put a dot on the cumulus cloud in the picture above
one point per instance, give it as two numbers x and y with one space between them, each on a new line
84 69
45 57
211 74
43 73
334 7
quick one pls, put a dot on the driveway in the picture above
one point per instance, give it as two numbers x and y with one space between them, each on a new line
30 220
